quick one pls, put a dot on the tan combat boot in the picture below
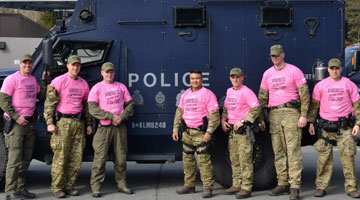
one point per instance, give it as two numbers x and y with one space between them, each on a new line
294 194
125 190
207 193
185 190
59 194
354 194
232 190
72 192
243 194
280 190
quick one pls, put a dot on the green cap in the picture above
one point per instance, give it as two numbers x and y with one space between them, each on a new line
107 66
334 63
236 71
73 59
26 57
276 50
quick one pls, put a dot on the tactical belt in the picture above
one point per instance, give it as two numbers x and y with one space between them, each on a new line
74 116
30 119
285 105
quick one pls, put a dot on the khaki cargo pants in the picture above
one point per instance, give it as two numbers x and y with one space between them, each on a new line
103 138
20 143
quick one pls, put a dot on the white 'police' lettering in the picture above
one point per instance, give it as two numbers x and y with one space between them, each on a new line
150 79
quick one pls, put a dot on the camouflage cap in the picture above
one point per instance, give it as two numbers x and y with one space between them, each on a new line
236 71
334 63
73 59
26 57
276 50
107 66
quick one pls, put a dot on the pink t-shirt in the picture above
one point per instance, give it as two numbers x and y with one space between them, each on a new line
196 105
72 93
282 84
239 102
335 98
110 97
23 91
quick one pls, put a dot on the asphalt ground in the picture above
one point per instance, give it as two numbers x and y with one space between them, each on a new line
159 181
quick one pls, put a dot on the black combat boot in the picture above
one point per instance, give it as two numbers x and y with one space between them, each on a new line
26 194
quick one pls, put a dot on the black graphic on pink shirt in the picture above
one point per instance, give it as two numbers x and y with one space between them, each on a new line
75 94
30 92
191 104
278 83
113 97
335 94
231 103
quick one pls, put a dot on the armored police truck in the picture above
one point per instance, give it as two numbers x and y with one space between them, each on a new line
155 43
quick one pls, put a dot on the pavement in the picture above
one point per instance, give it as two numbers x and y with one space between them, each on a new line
159 181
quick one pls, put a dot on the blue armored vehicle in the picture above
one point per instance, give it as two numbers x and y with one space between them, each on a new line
155 43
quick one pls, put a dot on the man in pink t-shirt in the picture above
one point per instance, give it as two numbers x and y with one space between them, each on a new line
283 88
338 98
241 108
65 113
111 103
198 112
18 100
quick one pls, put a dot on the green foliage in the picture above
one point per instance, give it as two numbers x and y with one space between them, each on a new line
47 20
353 17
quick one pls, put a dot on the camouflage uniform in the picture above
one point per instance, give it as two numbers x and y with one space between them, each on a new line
347 149
193 142
241 151
67 143
103 138
286 137
20 144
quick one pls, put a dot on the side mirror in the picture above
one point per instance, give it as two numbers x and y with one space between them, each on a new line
354 65
355 60
48 60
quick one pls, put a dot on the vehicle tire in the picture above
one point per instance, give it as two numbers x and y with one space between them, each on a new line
3 160
263 159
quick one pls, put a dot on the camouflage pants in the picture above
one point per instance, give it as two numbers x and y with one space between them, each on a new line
241 151
286 142
195 138
103 138
20 143
67 144
347 150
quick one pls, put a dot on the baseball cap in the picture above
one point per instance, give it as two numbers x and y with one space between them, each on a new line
26 57
107 66
73 59
236 71
276 50
334 63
